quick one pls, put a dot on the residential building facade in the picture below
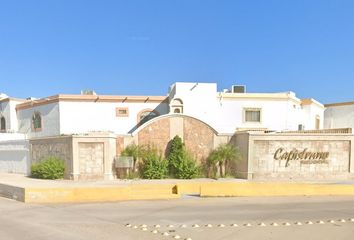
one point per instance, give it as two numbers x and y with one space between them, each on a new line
226 111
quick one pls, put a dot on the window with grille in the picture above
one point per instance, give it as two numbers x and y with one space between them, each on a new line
122 112
37 121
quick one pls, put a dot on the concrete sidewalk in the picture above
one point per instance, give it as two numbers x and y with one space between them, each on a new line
25 189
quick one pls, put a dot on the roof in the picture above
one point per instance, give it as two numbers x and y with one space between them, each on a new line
263 96
90 98
7 99
309 101
339 104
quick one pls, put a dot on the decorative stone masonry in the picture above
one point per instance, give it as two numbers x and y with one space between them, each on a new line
88 156
265 161
91 160
296 156
157 134
119 145
198 137
60 147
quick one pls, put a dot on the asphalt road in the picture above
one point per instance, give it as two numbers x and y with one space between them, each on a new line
187 218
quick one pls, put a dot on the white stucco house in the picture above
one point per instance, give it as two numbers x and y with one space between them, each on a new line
226 111
339 115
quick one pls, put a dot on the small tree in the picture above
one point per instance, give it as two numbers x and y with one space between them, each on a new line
175 155
180 162
223 156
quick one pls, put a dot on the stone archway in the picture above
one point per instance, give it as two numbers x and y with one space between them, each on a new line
199 137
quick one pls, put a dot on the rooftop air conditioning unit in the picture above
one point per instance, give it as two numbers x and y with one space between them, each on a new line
238 89
88 92
31 98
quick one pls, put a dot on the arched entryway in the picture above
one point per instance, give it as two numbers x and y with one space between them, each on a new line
197 135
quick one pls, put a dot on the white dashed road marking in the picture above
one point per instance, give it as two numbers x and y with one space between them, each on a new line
172 229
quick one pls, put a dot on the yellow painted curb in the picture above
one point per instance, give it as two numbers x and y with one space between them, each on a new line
100 194
189 187
172 191
273 189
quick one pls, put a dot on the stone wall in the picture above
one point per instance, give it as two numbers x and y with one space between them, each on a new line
91 160
198 137
336 164
241 142
119 145
281 156
87 156
157 134
60 147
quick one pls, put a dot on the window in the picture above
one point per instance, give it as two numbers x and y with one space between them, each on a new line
253 115
122 112
146 115
37 121
301 127
3 124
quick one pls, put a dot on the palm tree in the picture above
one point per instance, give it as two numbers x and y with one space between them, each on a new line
134 151
223 156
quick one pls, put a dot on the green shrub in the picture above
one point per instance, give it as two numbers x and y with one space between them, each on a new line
153 165
187 167
50 168
180 162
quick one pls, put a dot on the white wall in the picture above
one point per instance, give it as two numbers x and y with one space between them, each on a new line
11 136
311 112
339 117
275 115
15 157
83 117
13 115
50 120
279 111
199 100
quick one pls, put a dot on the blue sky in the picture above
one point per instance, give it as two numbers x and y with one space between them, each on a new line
141 47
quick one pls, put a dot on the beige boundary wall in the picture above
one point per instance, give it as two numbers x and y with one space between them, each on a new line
268 156
86 157
92 156
271 156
